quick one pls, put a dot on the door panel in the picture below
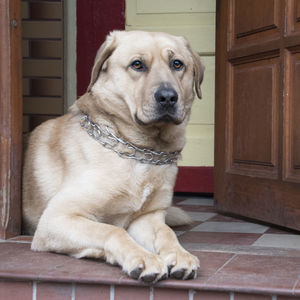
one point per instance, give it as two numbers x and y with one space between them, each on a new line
252 16
257 136
252 130
254 19
293 13
295 122
292 117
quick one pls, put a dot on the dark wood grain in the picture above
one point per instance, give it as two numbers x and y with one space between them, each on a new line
10 118
257 116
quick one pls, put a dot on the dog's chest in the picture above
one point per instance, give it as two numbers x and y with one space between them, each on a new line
144 199
134 189
147 189
143 186
134 202
136 205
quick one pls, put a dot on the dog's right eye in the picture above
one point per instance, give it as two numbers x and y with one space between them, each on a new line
137 65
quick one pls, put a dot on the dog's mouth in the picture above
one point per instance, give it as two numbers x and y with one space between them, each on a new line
162 118
169 118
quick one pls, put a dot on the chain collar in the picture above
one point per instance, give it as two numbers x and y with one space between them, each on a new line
102 134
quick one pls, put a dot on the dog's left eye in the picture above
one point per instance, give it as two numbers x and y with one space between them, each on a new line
137 65
176 64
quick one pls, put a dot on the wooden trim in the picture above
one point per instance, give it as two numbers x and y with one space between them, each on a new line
69 57
10 118
95 19
195 180
221 83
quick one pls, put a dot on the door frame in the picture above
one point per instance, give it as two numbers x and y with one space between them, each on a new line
11 111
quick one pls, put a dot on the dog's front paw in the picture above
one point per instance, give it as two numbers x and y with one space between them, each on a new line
181 264
146 267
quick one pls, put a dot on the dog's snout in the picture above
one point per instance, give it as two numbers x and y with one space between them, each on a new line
166 97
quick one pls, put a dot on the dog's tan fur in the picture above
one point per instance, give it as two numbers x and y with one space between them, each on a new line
82 199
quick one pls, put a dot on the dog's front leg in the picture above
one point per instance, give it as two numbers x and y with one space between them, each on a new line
78 235
151 232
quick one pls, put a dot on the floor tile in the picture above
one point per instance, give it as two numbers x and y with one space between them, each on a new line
279 241
242 249
258 272
186 227
200 216
22 239
276 230
219 238
297 287
210 263
199 208
21 262
224 218
85 270
178 198
18 260
178 233
197 201
241 227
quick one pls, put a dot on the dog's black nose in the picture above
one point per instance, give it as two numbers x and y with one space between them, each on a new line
166 97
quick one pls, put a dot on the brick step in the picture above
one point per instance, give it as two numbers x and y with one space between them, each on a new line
226 273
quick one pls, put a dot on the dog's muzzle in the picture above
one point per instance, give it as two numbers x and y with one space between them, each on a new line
166 99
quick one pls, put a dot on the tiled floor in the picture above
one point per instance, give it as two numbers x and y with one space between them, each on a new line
240 260
211 229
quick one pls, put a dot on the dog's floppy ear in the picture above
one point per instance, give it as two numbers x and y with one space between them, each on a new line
198 69
199 73
102 55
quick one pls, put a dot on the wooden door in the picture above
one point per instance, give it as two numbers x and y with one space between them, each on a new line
257 136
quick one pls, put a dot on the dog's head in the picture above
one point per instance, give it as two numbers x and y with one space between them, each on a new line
152 74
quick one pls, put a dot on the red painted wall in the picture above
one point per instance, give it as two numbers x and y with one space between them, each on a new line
195 180
95 19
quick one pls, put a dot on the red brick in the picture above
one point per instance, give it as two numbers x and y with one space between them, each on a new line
174 294
287 298
238 296
92 292
50 291
15 290
203 295
131 293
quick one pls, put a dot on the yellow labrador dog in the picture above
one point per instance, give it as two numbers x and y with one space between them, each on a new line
98 181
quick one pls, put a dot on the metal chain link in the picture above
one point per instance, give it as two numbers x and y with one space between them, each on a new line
108 140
